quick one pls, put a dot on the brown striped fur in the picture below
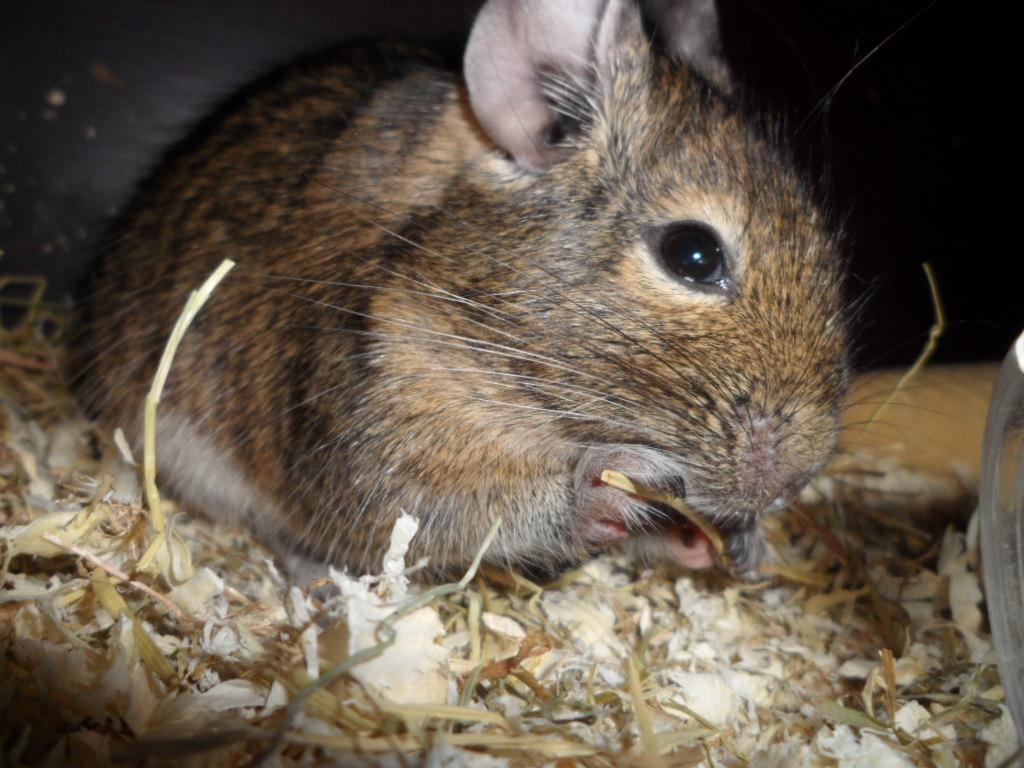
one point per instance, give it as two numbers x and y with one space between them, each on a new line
417 324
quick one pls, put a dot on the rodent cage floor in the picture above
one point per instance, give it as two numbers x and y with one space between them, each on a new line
867 646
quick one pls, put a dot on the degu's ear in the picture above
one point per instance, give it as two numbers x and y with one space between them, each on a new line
515 42
689 29
512 44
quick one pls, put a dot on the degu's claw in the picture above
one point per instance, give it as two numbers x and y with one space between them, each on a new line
746 550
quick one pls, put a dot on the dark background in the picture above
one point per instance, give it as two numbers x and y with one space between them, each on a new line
914 147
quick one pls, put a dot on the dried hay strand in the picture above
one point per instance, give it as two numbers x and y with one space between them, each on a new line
865 644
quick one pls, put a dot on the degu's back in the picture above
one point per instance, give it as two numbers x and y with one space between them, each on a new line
300 180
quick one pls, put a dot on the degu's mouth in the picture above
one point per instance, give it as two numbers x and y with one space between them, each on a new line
691 532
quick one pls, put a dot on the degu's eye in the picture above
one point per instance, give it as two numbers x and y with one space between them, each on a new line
694 253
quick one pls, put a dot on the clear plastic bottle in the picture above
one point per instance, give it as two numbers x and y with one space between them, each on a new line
1002 526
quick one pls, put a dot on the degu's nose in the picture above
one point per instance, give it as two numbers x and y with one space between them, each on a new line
773 461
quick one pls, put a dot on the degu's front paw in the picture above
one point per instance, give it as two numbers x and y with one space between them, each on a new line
609 515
